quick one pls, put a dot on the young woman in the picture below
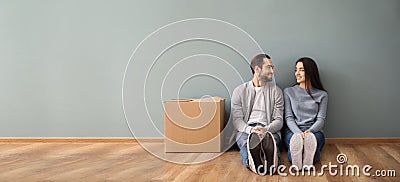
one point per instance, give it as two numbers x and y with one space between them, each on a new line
305 112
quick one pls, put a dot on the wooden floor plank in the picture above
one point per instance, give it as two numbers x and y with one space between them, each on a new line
115 161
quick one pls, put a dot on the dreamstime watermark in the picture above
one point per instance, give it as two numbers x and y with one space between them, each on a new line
341 169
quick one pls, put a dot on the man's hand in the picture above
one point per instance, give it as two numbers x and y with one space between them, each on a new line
259 130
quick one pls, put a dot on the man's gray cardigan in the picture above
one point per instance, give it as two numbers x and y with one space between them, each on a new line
242 103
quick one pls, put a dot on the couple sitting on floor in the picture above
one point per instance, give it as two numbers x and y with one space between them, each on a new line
259 111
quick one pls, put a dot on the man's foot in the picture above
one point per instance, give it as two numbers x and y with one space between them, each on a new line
296 149
310 146
269 147
256 161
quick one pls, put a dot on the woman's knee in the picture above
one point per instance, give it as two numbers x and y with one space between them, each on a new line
320 139
287 138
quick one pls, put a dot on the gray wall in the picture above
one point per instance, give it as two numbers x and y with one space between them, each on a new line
62 62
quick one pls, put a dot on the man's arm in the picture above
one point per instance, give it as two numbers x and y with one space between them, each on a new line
237 114
277 115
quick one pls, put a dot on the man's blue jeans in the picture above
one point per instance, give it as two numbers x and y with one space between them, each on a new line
241 140
320 143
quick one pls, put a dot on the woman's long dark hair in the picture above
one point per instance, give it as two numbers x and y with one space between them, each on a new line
311 74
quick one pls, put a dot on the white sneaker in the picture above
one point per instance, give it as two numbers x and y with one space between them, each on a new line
296 149
310 146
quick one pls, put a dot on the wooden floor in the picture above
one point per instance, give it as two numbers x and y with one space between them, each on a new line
129 162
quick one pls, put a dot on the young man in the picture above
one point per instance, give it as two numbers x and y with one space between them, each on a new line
257 114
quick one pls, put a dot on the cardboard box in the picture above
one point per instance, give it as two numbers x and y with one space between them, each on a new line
194 125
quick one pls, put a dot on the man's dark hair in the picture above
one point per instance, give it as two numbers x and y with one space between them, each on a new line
258 61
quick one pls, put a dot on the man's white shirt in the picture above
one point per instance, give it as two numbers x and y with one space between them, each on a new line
258 114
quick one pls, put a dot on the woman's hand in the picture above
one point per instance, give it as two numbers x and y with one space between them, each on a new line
303 134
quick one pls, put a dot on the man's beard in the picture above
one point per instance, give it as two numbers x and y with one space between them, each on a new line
265 78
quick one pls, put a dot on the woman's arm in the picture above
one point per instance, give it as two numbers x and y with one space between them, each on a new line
290 120
320 119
